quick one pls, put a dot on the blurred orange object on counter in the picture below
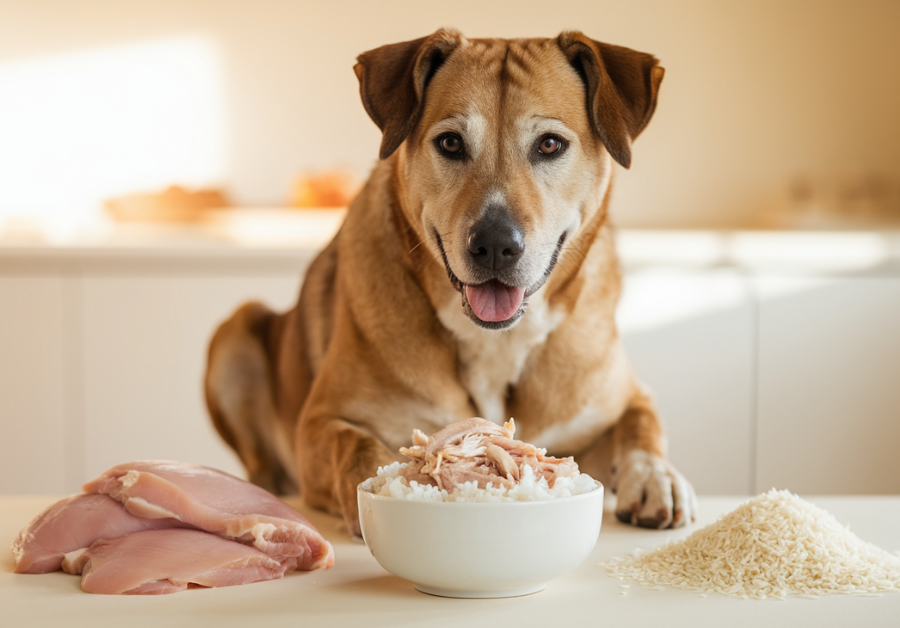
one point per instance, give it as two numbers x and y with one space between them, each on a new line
332 188
175 204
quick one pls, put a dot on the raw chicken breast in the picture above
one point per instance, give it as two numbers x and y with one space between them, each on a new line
166 561
476 450
218 503
72 524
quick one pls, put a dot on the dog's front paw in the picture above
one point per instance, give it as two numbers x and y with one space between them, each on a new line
351 521
651 493
349 508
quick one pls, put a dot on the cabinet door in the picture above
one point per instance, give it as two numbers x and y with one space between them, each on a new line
689 335
33 429
829 385
145 343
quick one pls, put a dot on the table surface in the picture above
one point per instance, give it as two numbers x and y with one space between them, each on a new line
358 592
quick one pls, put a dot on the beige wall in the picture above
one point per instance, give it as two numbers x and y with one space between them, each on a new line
754 94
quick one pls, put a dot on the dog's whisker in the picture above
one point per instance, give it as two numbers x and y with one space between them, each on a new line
575 250
418 245
427 238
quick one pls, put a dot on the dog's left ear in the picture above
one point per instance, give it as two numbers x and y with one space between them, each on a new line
622 85
392 82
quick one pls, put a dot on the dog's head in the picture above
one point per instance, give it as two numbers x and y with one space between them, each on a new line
504 149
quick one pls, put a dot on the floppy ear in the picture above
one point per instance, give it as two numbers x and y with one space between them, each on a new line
622 85
392 82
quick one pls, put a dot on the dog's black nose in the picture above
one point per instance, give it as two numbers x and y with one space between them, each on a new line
496 241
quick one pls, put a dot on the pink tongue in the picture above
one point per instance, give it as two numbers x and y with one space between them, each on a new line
494 302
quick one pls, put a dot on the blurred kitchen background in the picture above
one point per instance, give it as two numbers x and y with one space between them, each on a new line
162 162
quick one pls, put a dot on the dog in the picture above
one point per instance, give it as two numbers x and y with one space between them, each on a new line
475 274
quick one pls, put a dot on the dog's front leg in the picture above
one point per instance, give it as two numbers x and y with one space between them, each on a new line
650 492
333 457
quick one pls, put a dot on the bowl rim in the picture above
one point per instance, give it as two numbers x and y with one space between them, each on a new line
598 487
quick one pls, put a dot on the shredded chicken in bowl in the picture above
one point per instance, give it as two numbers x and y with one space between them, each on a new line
478 461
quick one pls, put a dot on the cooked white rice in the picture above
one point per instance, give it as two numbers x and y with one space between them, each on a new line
389 483
773 545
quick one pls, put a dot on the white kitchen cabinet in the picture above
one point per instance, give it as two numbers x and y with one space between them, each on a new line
689 336
829 384
35 432
145 342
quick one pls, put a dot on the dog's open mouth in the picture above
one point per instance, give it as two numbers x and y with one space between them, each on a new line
493 304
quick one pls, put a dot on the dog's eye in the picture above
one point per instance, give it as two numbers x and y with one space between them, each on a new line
550 145
450 144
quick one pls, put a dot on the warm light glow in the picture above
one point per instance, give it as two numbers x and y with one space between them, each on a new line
653 298
819 252
79 128
274 227
690 248
675 276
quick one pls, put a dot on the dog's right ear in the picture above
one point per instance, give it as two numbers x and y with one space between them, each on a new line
392 82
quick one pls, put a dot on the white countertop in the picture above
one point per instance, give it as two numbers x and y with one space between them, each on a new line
278 235
357 592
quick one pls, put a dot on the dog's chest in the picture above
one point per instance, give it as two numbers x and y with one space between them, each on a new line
489 362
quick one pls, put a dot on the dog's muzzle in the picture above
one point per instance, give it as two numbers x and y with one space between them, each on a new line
493 304
495 243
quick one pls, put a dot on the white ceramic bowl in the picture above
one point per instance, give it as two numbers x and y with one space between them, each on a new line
480 549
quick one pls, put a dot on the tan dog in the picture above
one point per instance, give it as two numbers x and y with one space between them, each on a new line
475 274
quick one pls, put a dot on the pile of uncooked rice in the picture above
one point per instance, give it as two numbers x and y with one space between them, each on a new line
389 483
773 545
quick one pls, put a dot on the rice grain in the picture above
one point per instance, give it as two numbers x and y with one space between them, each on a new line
389 483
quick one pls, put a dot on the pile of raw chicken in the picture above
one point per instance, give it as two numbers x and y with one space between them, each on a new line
153 527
